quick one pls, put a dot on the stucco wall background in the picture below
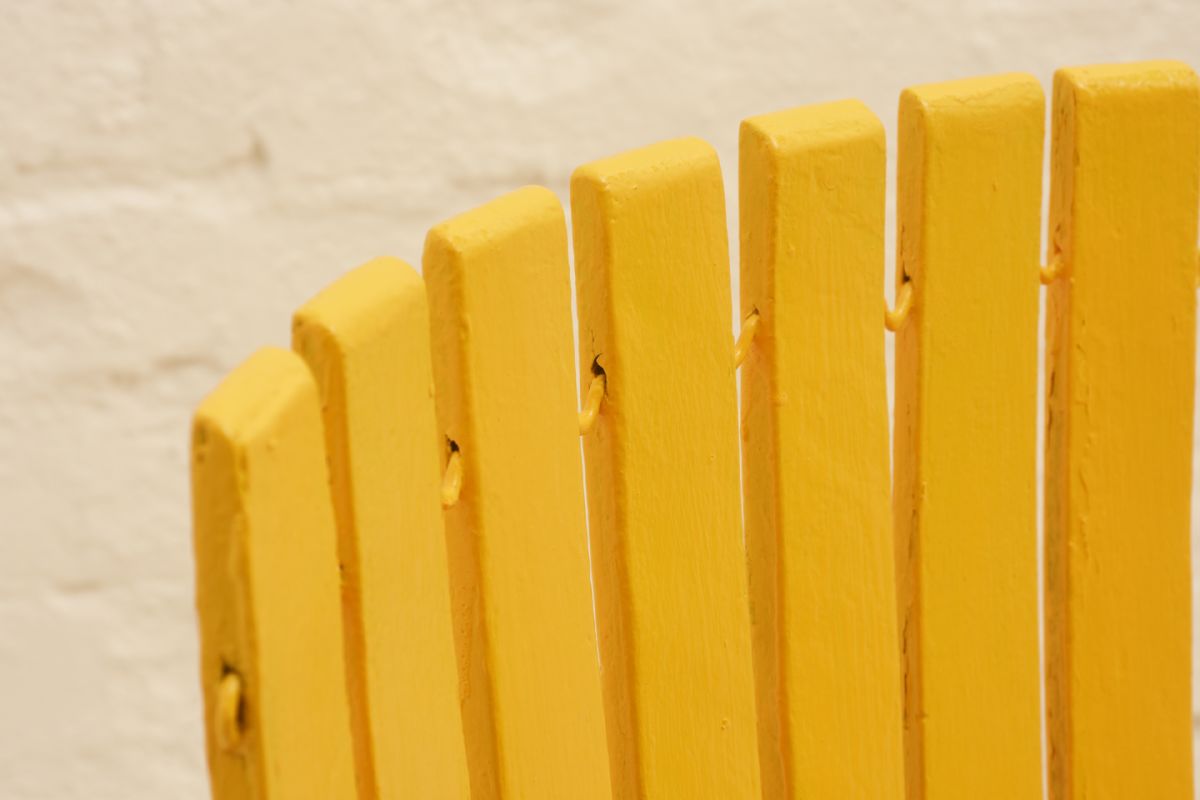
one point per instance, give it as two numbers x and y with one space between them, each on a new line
177 176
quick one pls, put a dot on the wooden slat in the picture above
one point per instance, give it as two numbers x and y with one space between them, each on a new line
267 588
653 286
815 452
1121 360
966 423
499 288
366 338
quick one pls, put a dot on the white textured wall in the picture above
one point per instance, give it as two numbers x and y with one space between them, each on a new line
176 176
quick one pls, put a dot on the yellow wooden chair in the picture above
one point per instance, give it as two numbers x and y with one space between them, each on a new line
400 594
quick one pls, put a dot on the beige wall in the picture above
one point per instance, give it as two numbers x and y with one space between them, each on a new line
176 176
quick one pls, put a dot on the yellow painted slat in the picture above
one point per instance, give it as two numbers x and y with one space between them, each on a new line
267 588
366 339
970 166
815 452
662 462
499 288
1121 359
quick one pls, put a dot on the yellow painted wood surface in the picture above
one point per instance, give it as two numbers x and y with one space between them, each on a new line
654 312
970 166
366 339
267 587
816 476
499 288
1121 365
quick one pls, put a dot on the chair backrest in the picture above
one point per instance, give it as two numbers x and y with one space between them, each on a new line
401 593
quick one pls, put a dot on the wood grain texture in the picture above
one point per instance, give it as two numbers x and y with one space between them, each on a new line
970 166
816 483
366 339
1121 366
662 463
267 585
499 288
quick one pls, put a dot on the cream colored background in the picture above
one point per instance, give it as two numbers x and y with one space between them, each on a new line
176 176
